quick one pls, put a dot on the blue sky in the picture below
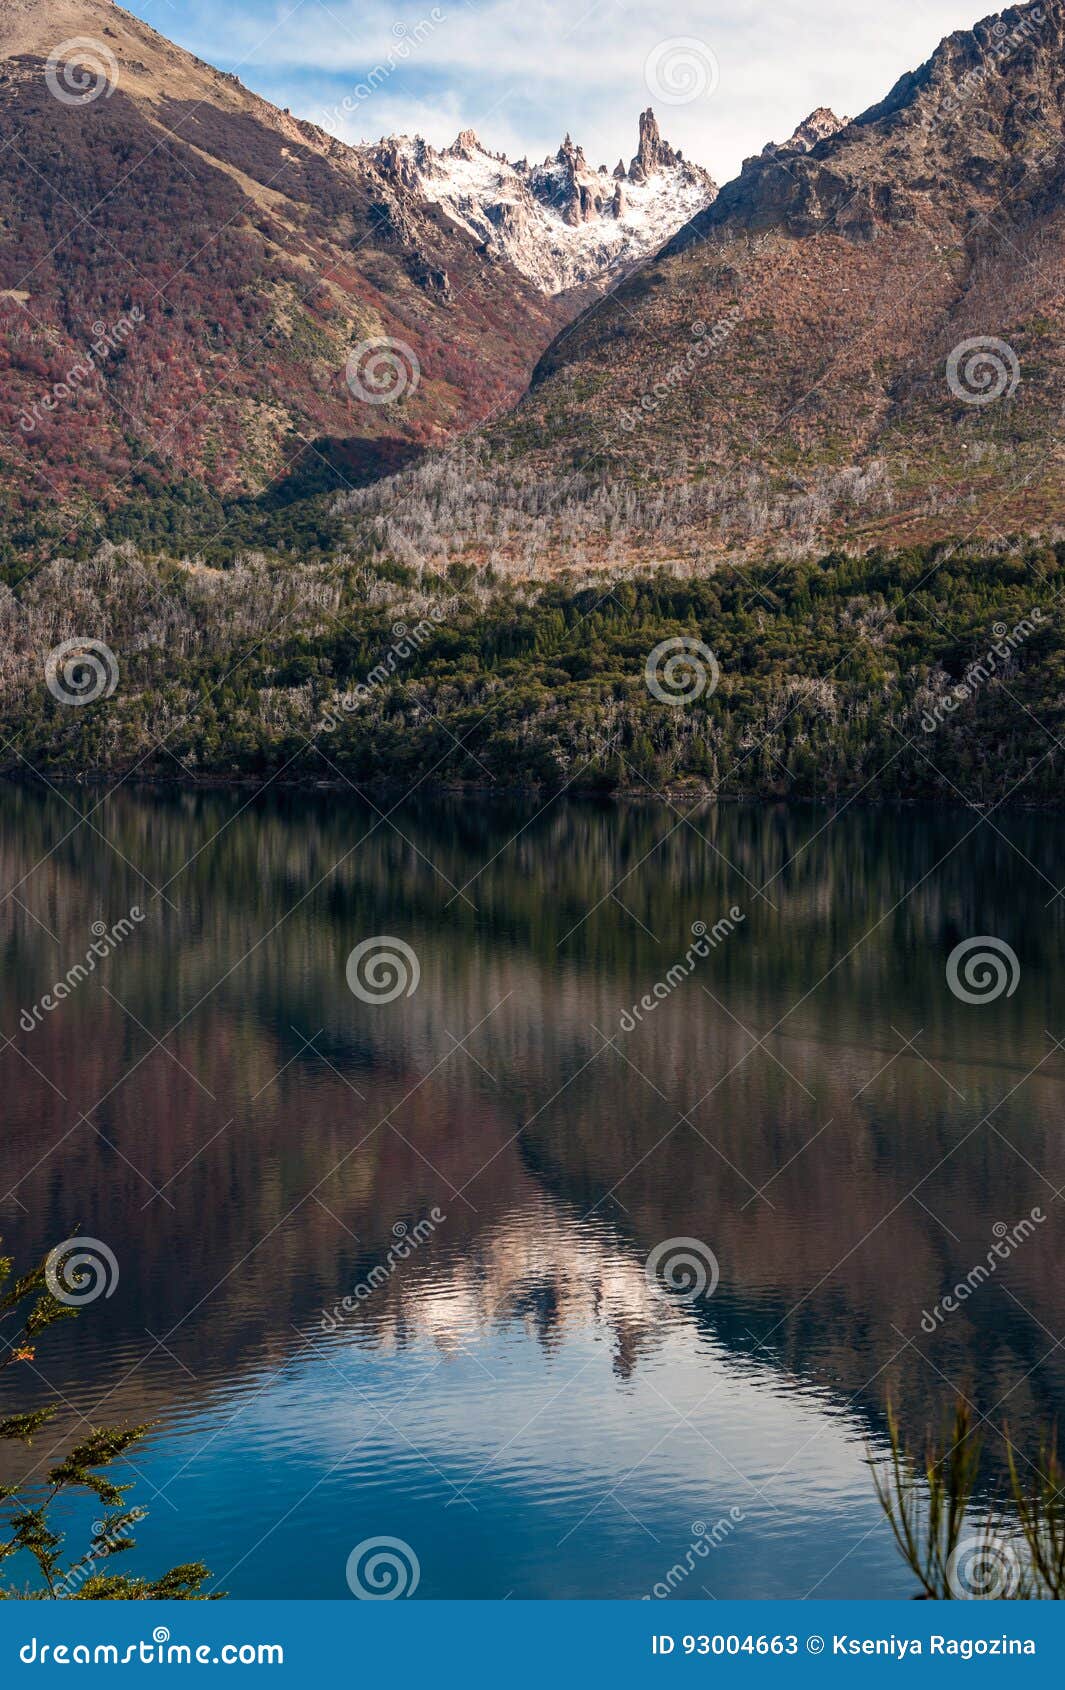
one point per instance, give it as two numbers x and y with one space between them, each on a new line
523 72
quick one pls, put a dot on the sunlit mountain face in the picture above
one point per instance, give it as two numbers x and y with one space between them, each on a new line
391 1265
217 286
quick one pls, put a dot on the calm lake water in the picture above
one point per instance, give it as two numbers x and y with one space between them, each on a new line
511 1393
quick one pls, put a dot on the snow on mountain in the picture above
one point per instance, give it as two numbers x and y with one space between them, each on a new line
560 223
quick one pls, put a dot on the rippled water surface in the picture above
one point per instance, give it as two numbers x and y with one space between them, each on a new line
483 1167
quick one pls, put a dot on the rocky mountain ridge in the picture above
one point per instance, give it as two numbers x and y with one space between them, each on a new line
861 339
561 223
947 140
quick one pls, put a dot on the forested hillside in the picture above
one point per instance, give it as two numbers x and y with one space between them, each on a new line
918 674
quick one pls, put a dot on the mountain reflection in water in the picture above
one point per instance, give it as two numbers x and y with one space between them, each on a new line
509 1392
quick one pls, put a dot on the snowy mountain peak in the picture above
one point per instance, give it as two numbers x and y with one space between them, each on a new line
561 223
465 145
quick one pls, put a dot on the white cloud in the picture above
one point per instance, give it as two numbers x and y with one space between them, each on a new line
523 71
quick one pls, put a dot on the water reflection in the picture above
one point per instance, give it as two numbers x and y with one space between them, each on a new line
513 1396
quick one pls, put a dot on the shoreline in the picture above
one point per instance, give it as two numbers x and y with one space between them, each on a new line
482 791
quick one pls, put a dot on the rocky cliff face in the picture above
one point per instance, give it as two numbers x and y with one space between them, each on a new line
562 223
866 327
948 140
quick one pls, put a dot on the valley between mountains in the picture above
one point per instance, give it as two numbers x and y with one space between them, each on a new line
401 466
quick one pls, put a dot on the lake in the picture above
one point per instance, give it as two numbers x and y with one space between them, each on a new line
592 1218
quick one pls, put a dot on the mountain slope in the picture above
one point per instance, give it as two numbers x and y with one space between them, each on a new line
193 283
861 338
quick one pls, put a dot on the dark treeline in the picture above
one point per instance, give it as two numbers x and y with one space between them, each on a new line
929 673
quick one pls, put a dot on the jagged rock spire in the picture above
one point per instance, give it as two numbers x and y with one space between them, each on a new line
652 153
